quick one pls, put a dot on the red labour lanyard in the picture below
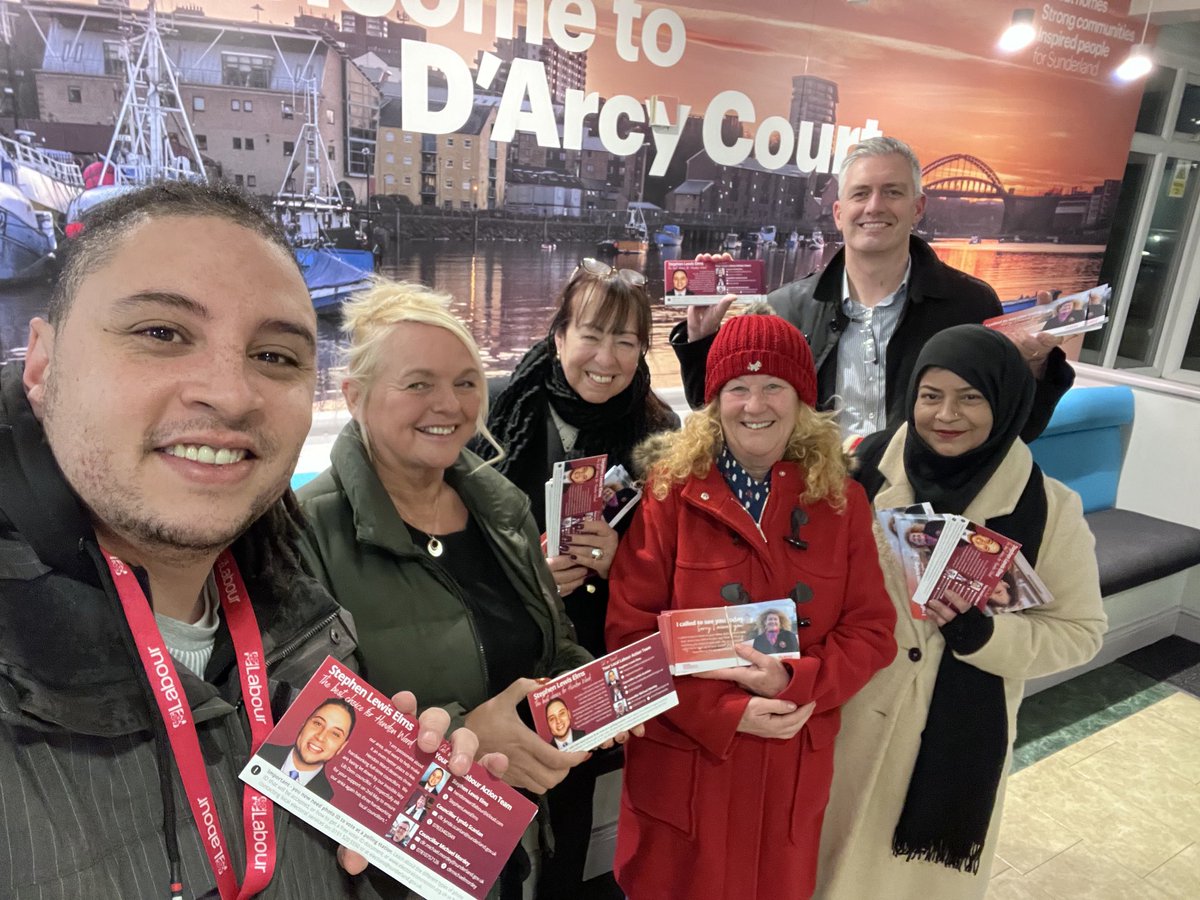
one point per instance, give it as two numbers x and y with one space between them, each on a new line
257 811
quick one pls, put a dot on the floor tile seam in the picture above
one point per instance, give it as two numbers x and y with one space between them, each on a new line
1126 790
1094 848
1166 862
1094 839
1022 872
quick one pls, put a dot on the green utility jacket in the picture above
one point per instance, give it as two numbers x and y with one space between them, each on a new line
415 632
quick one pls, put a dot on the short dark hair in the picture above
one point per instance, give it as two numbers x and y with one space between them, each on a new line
557 700
105 227
343 704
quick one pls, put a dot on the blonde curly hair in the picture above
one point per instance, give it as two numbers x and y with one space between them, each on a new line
367 322
815 445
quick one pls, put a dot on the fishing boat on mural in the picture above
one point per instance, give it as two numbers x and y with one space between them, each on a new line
36 185
316 218
668 236
27 240
152 139
634 239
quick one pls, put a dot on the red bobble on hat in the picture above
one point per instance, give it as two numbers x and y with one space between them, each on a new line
761 345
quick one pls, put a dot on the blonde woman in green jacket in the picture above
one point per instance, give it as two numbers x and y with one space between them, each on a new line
434 552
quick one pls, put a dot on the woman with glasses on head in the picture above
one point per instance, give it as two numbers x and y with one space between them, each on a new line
583 390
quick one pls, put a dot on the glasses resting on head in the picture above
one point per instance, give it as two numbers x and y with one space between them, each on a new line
600 269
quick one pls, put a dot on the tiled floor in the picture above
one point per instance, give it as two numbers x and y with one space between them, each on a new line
1106 802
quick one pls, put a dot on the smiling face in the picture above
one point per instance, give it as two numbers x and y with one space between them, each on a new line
680 280
771 622
950 415
421 406
323 735
984 544
598 364
435 778
177 391
558 717
758 414
877 205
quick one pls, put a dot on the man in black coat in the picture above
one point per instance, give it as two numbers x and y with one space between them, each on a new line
870 311
324 734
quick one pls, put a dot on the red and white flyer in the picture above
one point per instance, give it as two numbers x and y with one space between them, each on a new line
1067 315
346 761
699 640
940 553
692 282
585 707
574 495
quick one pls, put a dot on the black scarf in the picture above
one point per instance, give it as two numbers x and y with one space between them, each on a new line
952 792
520 419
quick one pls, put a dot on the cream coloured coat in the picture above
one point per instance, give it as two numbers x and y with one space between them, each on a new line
882 724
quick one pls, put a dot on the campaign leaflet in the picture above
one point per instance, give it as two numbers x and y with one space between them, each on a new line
1072 314
442 836
1019 588
621 494
574 495
699 640
940 553
702 282
588 706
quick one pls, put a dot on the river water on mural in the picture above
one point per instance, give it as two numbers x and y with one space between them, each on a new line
506 292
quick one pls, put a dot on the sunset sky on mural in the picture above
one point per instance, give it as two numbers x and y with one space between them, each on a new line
928 70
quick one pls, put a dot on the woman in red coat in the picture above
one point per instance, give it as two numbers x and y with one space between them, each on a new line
750 502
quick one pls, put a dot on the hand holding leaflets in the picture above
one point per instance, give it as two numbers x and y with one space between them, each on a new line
532 765
709 280
1071 315
389 789
582 509
605 700
949 557
700 640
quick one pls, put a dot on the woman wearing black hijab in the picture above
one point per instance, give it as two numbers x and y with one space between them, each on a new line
924 750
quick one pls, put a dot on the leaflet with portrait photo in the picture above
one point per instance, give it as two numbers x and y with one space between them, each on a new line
574 495
346 761
621 494
946 552
1020 588
700 640
585 707
703 282
1067 315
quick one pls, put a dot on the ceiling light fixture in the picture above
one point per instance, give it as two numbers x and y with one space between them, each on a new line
1139 62
1020 34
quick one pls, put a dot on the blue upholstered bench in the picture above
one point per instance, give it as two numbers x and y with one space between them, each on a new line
1084 447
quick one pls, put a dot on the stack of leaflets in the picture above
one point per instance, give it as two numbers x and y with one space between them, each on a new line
703 282
577 492
946 552
699 640
1072 314
588 706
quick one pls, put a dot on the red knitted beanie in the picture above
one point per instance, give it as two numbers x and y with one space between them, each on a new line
761 345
